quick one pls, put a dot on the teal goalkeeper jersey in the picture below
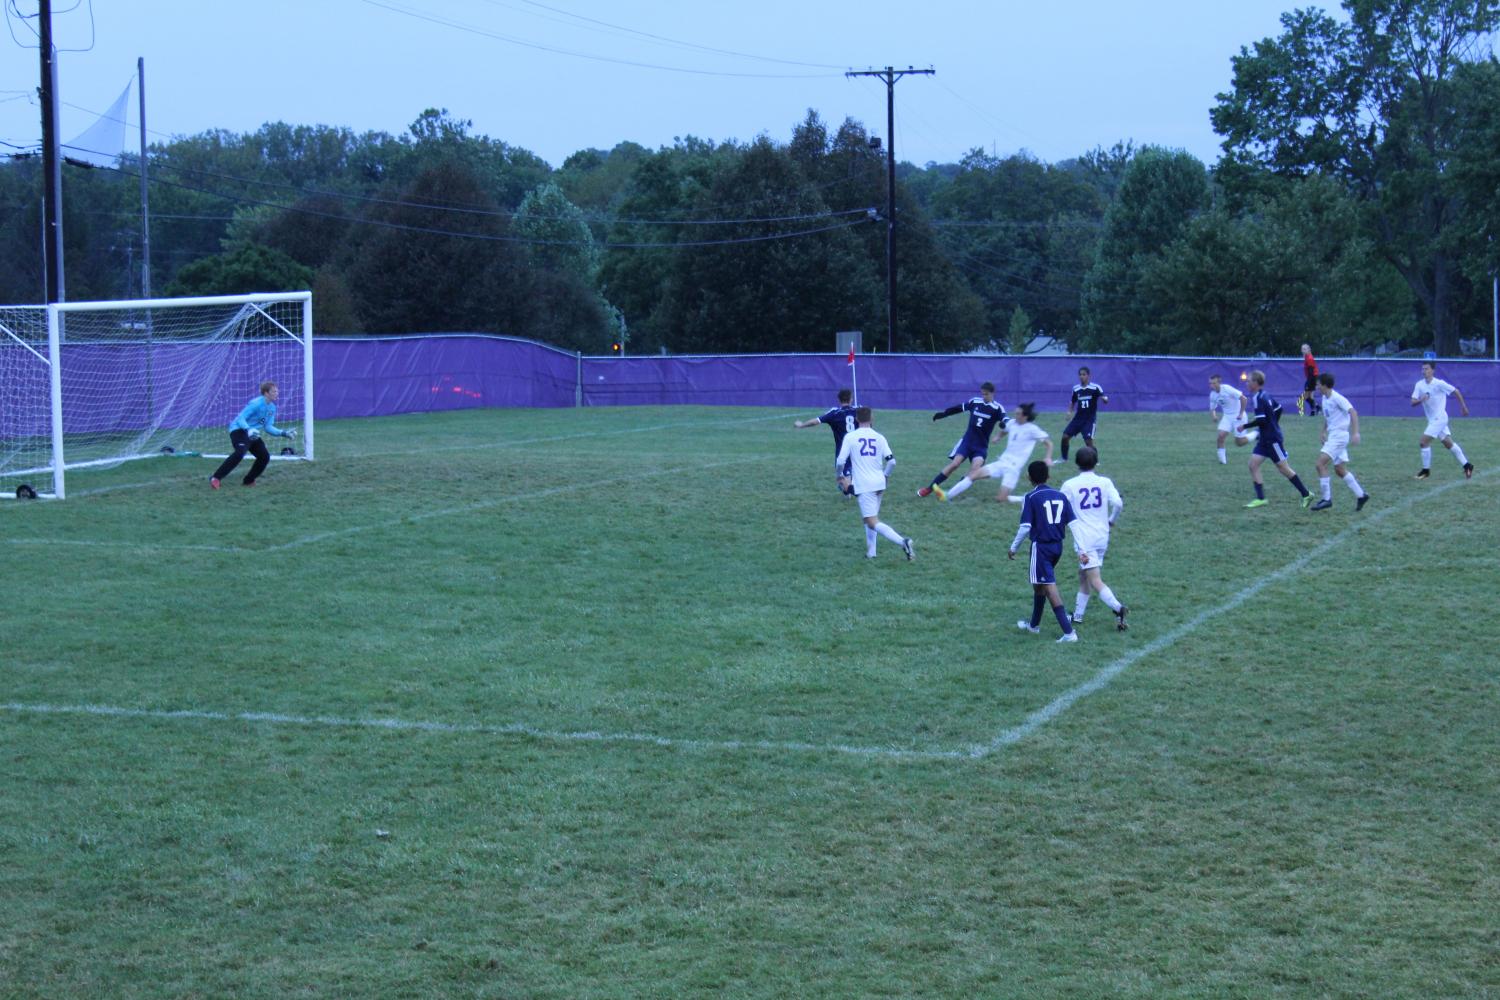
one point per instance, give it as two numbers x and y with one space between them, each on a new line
258 415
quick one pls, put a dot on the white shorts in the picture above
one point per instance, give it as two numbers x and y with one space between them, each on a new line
1437 429
1092 545
1337 448
1229 423
1007 472
869 504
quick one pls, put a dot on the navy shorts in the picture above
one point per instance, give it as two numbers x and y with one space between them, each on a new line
1080 426
1044 558
967 449
1274 450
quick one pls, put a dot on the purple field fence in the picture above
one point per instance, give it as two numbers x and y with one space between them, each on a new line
366 377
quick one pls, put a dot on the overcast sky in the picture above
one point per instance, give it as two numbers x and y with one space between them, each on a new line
557 76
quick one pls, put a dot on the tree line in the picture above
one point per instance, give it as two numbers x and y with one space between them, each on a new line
1353 206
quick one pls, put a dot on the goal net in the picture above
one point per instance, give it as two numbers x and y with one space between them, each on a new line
93 384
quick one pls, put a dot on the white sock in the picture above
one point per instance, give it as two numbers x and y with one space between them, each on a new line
1353 484
1223 458
1458 453
1426 458
1108 597
1016 499
1326 485
869 540
889 532
1080 604
959 487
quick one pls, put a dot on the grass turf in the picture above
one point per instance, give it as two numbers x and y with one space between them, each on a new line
1293 796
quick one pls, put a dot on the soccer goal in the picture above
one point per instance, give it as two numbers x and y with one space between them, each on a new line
94 384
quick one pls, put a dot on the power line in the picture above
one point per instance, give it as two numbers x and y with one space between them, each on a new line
484 33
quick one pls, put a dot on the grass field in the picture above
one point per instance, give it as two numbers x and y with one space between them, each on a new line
609 703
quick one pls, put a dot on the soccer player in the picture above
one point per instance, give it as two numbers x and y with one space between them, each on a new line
985 417
1270 444
257 418
1024 435
1309 396
840 419
1431 394
1045 514
1227 406
870 462
1340 430
1096 507
1083 410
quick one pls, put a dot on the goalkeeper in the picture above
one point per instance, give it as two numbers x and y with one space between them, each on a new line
257 418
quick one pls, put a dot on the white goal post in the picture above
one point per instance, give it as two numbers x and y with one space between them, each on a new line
93 384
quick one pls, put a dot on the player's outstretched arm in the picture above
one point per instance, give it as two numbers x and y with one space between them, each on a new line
1463 407
1353 426
950 411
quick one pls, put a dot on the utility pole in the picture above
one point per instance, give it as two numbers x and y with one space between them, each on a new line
140 70
890 75
51 161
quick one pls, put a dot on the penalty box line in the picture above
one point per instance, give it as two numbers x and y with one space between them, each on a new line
1033 722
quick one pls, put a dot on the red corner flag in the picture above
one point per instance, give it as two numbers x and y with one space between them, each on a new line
851 354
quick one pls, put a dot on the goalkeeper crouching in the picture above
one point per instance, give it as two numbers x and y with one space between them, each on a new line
257 418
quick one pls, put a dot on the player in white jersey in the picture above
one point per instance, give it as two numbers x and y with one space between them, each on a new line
1227 406
1023 434
870 461
1096 507
1340 430
1431 394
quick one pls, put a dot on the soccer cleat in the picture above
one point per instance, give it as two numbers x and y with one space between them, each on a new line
1257 502
1120 625
1077 620
1359 504
1423 474
1468 470
1322 505
1307 500
925 491
906 547
214 482
1026 626
942 494
1069 637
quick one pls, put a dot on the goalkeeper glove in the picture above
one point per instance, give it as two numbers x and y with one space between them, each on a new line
291 433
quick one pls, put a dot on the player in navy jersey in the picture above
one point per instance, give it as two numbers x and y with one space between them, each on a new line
840 419
1083 406
1265 416
986 416
1045 516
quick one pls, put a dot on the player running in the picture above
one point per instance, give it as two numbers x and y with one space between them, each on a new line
870 462
1083 410
1096 506
1270 444
985 417
840 419
1431 394
1024 435
257 418
1045 513
1227 406
1340 430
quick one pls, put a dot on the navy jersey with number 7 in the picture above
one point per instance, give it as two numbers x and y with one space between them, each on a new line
1047 513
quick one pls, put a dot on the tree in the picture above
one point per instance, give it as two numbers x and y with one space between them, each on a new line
1159 193
1371 102
1019 334
560 237
244 270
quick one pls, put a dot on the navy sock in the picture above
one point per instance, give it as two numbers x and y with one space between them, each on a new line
1037 601
939 478
1260 492
1297 482
1062 618
1064 447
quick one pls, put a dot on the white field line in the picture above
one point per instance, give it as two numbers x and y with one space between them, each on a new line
1033 722
143 546
1057 706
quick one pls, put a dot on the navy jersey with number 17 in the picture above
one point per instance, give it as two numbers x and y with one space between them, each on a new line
841 419
1047 512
